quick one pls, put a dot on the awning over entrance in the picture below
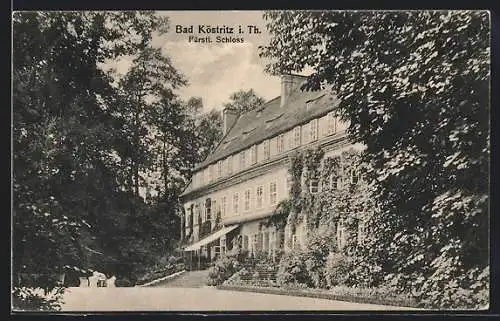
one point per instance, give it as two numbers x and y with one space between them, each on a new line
211 238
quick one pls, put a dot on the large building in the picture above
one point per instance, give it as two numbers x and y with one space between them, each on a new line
239 185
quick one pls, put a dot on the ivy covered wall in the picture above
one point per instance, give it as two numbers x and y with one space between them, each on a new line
326 193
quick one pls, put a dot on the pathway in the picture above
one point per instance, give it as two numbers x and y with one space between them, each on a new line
189 279
198 299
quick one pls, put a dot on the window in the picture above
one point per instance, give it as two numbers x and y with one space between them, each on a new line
242 160
260 194
290 139
196 214
219 169
229 165
280 143
272 241
253 154
214 208
332 182
266 149
332 123
313 186
247 200
235 203
272 193
313 135
223 206
340 183
208 209
296 136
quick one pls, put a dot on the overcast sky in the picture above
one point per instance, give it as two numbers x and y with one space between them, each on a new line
214 71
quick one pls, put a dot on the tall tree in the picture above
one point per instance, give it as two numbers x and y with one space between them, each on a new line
66 175
150 80
244 100
414 87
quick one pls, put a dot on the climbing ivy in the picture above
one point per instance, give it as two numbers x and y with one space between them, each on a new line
312 169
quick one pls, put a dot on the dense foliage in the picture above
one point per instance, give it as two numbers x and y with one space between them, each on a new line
244 100
99 158
414 87
225 266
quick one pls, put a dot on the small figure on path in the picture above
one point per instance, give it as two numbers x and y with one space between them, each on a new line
110 283
101 279
84 282
93 280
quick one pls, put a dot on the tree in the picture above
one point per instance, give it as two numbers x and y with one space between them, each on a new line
66 174
414 87
148 85
209 131
244 100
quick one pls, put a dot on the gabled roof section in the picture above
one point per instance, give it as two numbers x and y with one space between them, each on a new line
270 120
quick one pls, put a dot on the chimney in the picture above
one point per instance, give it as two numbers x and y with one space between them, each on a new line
229 117
289 83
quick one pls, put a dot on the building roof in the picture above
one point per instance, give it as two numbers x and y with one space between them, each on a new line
269 120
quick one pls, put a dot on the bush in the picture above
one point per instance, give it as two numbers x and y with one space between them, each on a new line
158 272
318 247
238 278
292 270
470 291
337 269
225 267
30 299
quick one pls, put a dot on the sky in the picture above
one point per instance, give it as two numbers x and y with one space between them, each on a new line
216 70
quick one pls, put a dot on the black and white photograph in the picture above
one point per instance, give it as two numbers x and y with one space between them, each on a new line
279 160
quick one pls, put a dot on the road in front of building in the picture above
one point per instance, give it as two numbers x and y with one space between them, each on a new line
198 299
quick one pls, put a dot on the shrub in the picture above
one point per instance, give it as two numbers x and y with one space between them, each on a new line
470 291
30 299
364 273
238 278
224 268
337 269
292 270
318 247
